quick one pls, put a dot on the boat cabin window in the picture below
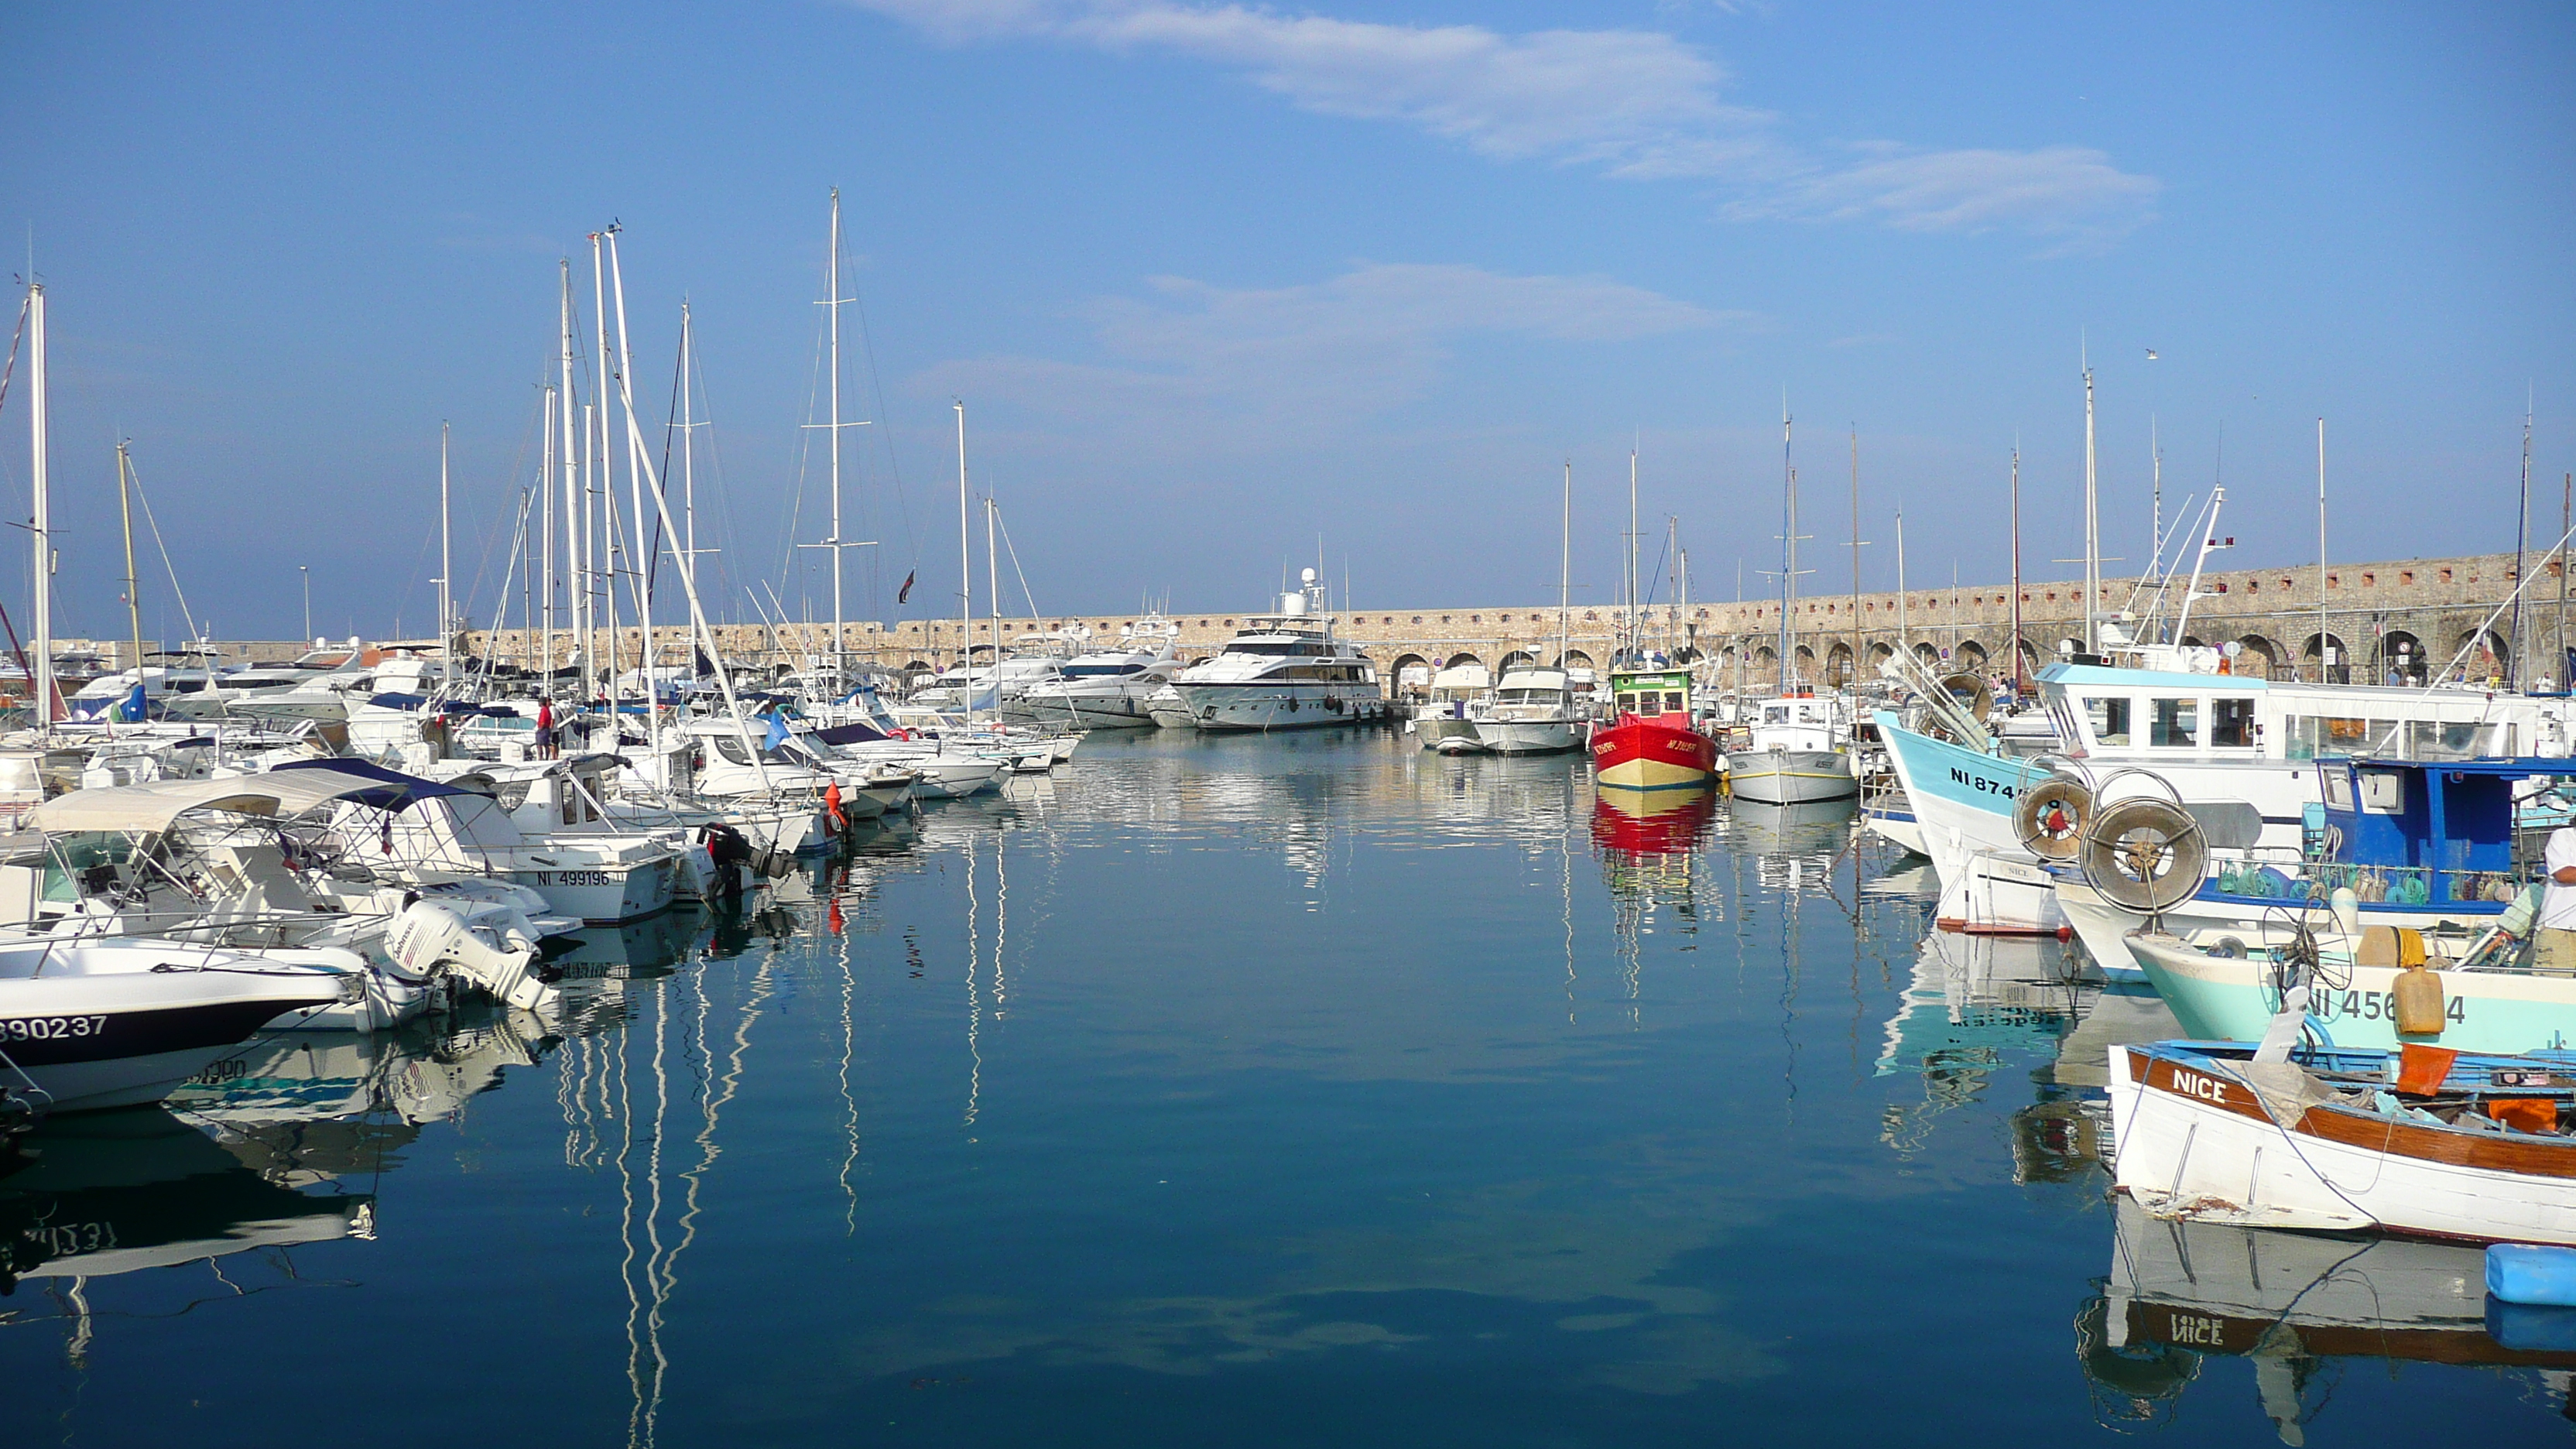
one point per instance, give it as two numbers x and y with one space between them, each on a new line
2338 788
2174 723
2231 724
1675 702
2383 792
2110 716
731 749
2456 740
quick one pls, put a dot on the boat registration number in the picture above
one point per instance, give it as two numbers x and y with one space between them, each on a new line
576 878
2380 1006
51 1028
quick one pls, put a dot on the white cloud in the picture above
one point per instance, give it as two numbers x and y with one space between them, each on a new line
1361 343
1636 104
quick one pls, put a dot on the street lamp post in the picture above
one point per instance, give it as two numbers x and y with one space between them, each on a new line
307 571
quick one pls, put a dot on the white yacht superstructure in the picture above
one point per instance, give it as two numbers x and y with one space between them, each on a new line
1283 671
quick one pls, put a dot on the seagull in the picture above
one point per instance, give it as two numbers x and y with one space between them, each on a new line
2151 354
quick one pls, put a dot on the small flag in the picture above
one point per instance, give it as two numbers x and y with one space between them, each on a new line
132 711
904 595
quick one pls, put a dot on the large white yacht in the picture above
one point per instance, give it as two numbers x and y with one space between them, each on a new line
1284 671
1111 688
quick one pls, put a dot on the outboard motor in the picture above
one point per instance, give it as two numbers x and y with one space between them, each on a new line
426 939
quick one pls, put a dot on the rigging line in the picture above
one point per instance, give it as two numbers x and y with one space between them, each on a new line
483 563
894 468
1015 562
15 338
804 455
729 537
670 420
185 613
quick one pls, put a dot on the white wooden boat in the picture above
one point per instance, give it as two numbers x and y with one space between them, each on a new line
2232 1133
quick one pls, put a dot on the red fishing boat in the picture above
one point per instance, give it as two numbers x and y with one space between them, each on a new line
1653 745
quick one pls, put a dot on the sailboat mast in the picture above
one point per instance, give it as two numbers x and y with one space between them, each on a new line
40 445
133 592
1854 676
2092 528
546 549
1904 638
965 573
605 479
993 588
1564 562
2323 671
2016 566
446 573
1632 553
568 458
2521 545
644 550
1789 551
832 282
688 431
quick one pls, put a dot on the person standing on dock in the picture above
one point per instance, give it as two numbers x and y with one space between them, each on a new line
545 729
2554 942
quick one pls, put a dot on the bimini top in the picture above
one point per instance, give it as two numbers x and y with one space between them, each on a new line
290 789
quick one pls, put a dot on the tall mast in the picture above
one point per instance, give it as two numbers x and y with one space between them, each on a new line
1789 552
2016 564
2521 544
965 573
568 458
546 550
2324 650
1854 676
2092 528
2156 456
1904 639
689 432
446 573
993 586
1564 561
644 550
40 445
133 591
832 282
605 478
1632 553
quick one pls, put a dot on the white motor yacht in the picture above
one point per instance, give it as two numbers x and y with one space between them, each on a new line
1533 712
1442 714
1104 688
1284 671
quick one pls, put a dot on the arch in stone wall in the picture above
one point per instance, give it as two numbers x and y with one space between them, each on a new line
2401 659
921 666
1459 660
1515 659
2488 658
2256 657
1838 666
2339 666
1879 654
1928 656
1411 674
1574 659
1970 656
2030 660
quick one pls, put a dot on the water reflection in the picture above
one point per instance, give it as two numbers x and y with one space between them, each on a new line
1975 1005
2300 1307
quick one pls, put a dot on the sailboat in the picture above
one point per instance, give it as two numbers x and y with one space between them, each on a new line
1799 750
1651 743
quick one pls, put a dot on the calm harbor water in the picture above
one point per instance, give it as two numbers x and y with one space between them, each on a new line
1301 1090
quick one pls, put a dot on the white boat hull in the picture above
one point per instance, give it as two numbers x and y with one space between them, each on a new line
1280 706
2201 1146
1529 736
1790 777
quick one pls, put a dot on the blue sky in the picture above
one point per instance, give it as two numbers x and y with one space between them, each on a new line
1215 280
